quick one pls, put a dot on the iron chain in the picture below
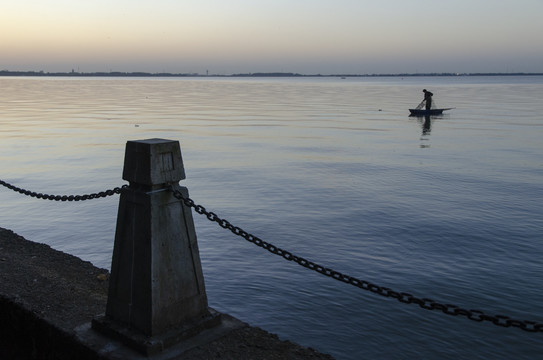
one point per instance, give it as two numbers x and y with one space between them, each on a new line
425 303
101 194
403 297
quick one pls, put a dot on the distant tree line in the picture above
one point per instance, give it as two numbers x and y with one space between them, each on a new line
259 74
88 74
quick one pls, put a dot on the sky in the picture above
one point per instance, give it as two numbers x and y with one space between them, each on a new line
248 36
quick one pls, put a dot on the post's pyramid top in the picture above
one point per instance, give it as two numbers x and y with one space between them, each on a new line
153 162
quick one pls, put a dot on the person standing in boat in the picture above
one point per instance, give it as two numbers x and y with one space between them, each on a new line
428 98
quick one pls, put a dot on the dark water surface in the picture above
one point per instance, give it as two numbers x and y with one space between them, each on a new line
332 170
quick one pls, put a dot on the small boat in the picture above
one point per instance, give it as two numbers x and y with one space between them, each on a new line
423 112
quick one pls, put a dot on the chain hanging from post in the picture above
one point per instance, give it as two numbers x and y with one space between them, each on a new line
403 297
101 194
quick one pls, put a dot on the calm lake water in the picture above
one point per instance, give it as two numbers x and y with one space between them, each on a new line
330 169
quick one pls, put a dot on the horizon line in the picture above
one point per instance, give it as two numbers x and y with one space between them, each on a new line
256 74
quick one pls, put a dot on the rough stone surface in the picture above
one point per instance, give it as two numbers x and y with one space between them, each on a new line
46 294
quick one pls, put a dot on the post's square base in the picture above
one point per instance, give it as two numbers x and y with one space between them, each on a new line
150 345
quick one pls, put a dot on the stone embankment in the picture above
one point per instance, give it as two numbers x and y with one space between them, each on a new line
48 299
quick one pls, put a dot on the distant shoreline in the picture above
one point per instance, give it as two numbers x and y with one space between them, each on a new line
260 74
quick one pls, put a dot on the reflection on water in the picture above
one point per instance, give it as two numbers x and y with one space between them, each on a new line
332 170
426 124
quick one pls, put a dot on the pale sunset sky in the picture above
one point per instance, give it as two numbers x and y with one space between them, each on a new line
247 36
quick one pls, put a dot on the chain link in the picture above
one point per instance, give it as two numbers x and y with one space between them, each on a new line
101 194
403 297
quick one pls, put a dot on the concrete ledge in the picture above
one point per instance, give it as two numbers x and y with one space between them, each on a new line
48 300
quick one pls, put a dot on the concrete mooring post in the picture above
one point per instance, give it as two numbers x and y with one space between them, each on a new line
157 294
